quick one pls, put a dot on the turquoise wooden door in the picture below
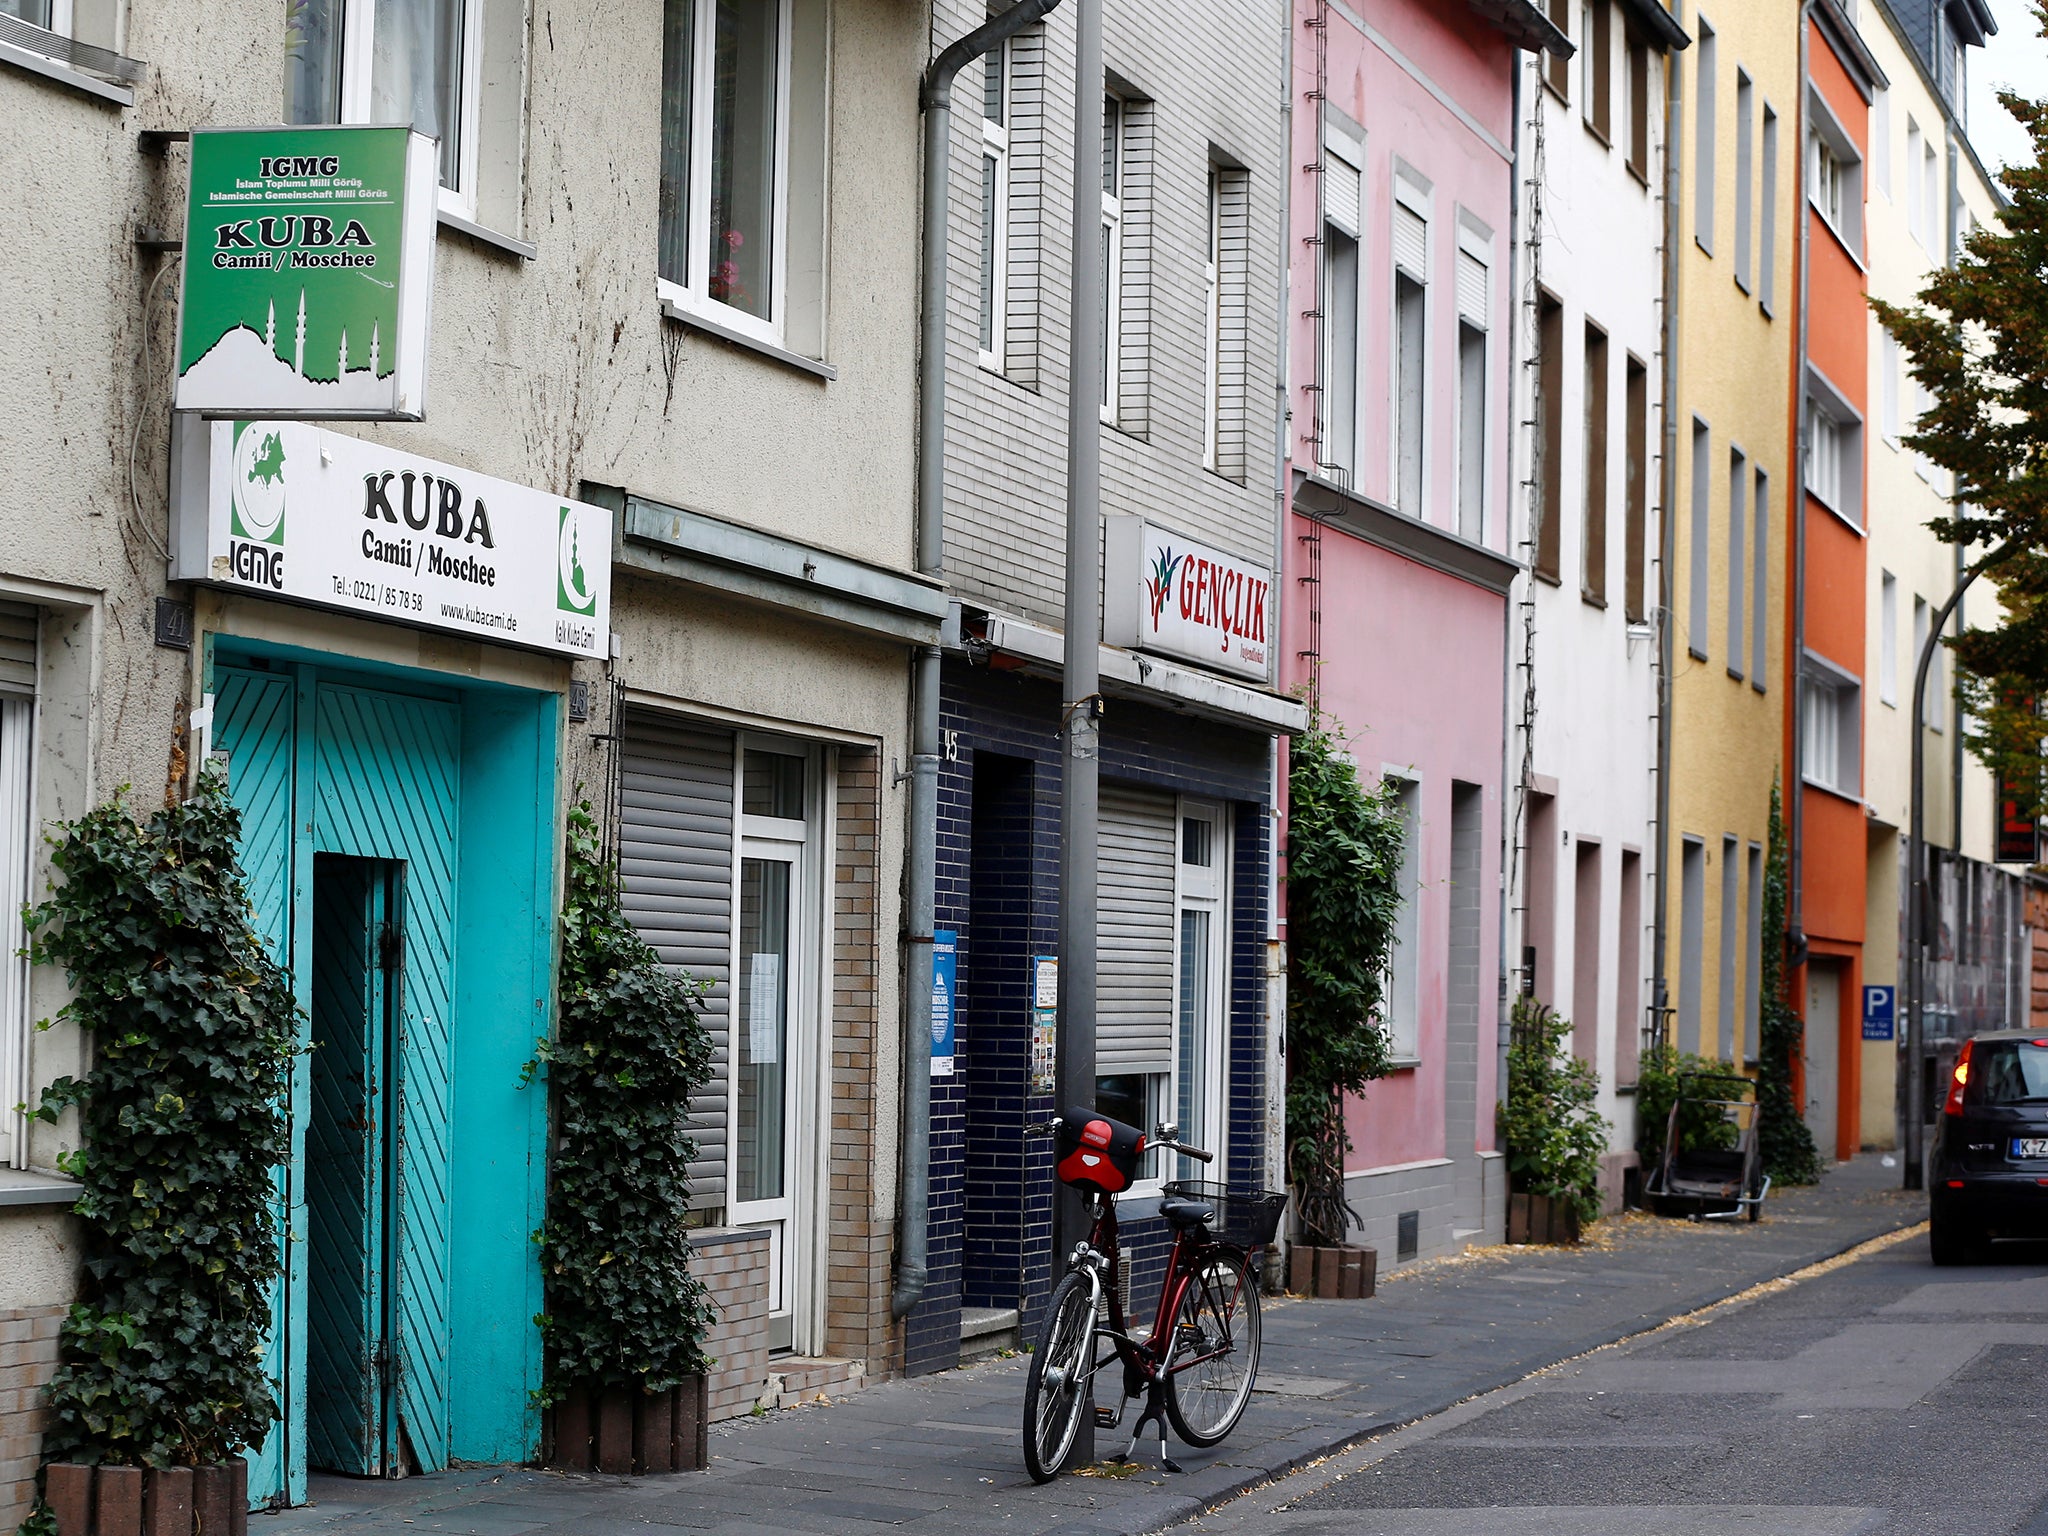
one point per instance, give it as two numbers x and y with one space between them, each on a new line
386 780
254 725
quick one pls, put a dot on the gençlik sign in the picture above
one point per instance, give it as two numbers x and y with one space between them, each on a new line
290 510
309 259
1165 593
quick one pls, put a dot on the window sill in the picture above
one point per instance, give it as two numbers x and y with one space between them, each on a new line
1759 684
1641 174
671 310
1549 85
1548 578
1598 132
18 1187
1742 283
1403 1063
1844 518
1841 239
63 74
1850 795
1704 246
525 250
1593 599
1695 652
1735 674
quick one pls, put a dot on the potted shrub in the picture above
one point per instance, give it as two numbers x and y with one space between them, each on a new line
182 1118
1552 1136
625 1321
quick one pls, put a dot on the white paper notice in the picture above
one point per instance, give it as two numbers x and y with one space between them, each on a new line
764 1009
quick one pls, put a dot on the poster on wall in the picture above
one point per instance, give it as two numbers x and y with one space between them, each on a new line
1168 594
289 510
309 261
945 982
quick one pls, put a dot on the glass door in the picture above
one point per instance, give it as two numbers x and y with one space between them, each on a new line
1200 987
776 1024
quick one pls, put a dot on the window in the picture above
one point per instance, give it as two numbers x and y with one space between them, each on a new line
1760 584
1881 141
1596 58
1702 519
1934 213
1586 895
742 173
1411 346
1767 257
1830 746
1692 939
1628 970
1731 933
995 203
1201 985
1341 195
1557 68
1828 180
1401 1010
1229 405
1888 639
1593 572
1212 319
391 61
1753 956
1738 516
1472 425
1638 61
18 665
1889 368
1916 183
1922 615
1112 249
1636 494
1703 138
1834 452
1745 113
1550 419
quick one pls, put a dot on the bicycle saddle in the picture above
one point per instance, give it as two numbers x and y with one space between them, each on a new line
1187 1213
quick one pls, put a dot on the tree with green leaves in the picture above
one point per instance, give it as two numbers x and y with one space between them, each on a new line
1978 343
1344 858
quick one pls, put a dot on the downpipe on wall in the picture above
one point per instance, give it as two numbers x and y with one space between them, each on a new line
935 98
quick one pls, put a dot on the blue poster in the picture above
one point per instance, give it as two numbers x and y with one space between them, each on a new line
1877 1012
945 980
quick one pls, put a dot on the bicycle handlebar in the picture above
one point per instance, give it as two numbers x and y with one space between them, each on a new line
1153 1143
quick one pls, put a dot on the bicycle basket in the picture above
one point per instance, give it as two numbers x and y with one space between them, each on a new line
1248 1218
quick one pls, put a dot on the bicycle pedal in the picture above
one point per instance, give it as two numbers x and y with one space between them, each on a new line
1105 1418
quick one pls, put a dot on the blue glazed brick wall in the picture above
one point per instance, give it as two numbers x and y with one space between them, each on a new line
998 888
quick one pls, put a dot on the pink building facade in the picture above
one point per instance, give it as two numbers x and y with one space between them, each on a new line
1397 580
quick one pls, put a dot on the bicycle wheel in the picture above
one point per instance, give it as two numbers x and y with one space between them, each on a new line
1055 1390
1216 1331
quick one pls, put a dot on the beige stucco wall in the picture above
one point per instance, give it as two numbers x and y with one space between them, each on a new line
1734 372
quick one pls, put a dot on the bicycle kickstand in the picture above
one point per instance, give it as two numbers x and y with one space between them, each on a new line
1154 1413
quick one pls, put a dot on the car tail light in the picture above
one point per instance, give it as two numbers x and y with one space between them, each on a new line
1954 1106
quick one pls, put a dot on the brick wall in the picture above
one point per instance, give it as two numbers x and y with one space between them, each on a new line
734 1268
28 1359
860 1235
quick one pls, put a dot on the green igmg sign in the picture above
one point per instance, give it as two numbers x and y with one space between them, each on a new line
308 270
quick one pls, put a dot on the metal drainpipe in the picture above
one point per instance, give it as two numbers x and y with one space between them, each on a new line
935 97
1276 938
1507 628
1667 528
1795 781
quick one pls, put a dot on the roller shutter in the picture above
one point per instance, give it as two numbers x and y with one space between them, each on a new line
675 881
17 647
1411 242
1134 1028
1472 288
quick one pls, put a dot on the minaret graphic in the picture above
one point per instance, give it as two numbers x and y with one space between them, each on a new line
375 345
299 355
341 369
270 330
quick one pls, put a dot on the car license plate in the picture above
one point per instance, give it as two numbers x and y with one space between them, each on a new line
2030 1146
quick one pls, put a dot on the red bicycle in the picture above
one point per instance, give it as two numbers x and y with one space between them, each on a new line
1196 1366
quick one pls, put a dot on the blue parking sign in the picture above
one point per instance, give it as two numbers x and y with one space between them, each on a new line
1878 1005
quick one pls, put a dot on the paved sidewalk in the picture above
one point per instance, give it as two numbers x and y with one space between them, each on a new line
941 1454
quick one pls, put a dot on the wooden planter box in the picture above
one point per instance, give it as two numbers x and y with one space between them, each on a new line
151 1501
1349 1273
624 1430
1539 1219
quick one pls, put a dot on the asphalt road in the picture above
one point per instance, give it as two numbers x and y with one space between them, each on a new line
1879 1395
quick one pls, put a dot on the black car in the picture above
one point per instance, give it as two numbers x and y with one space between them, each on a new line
1990 1165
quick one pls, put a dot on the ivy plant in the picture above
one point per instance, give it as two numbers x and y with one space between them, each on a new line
1783 1139
1553 1137
183 1117
629 1049
1344 859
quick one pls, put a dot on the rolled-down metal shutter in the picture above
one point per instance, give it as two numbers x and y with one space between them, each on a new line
675 882
17 647
1134 1017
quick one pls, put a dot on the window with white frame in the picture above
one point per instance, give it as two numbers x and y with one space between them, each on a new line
1831 734
1933 224
1340 348
1888 639
1824 467
1888 362
1113 124
1227 400
1400 1008
1827 180
742 167
1475 430
1933 707
1760 582
1834 173
392 61
1916 183
1745 191
1202 982
1881 141
18 663
995 202
1411 344
1834 450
